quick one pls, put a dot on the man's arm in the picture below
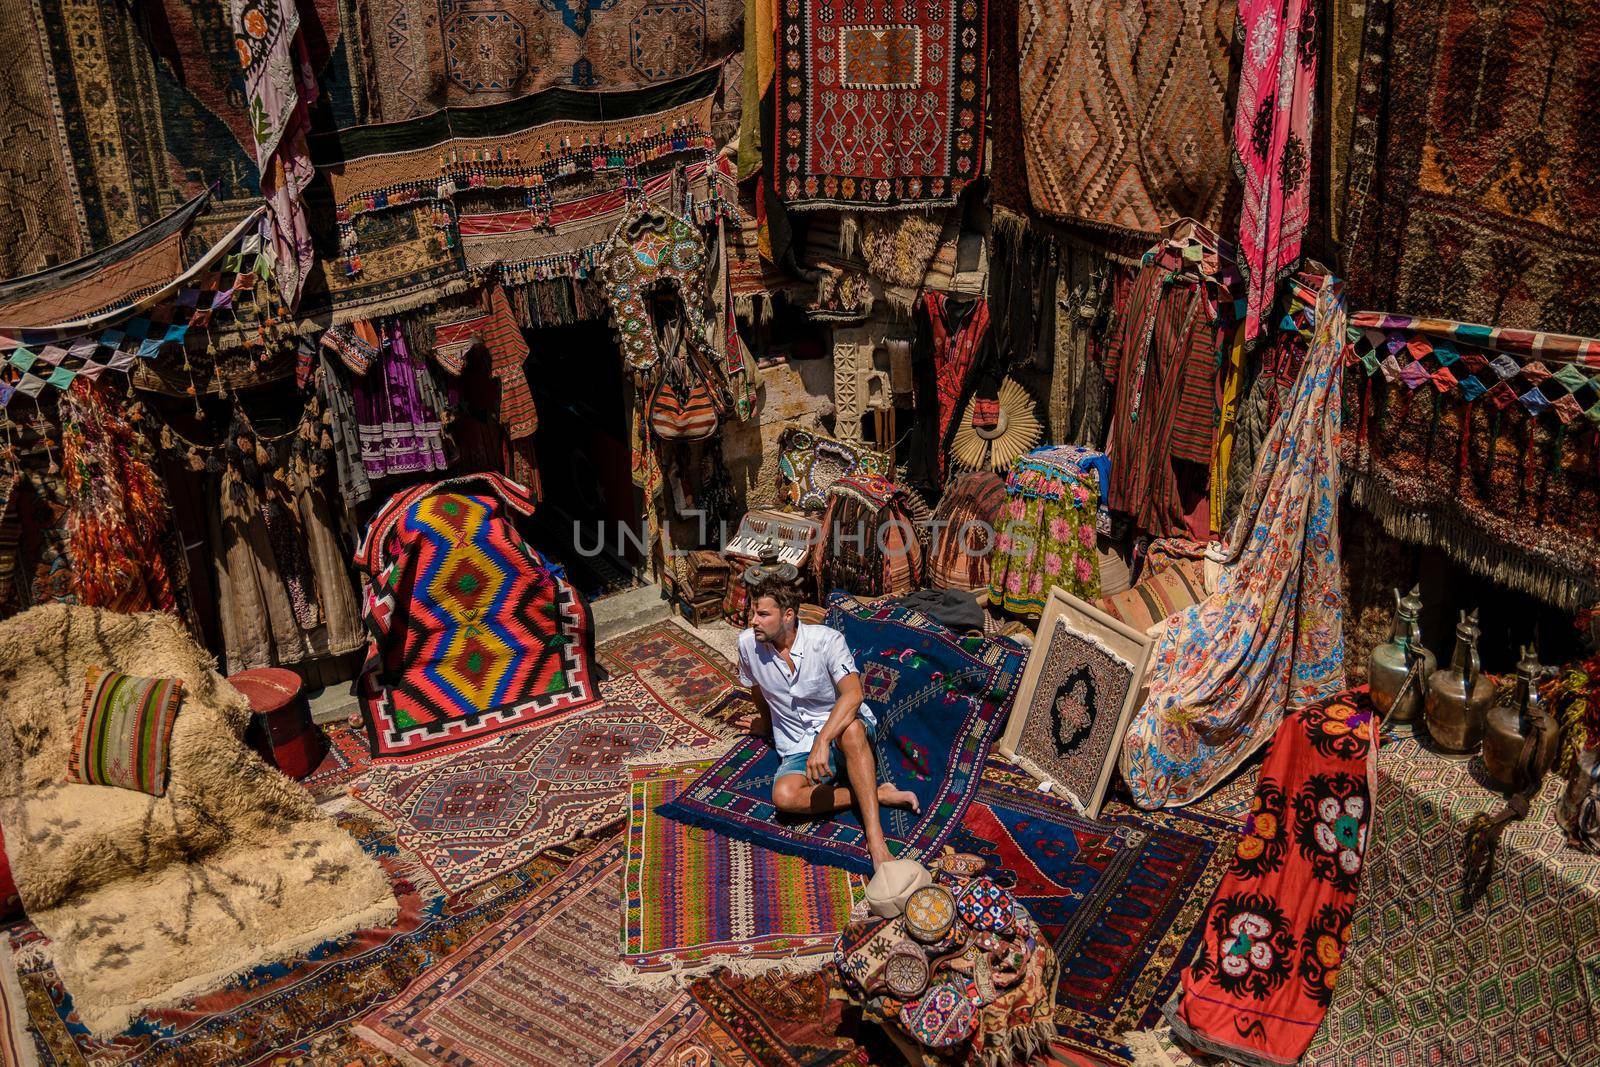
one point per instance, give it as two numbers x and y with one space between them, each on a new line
839 720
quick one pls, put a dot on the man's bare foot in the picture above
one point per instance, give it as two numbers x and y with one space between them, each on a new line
879 851
890 797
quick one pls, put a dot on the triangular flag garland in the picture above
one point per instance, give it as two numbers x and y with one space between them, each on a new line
33 357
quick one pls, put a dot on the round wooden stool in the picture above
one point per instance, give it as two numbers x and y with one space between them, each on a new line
280 727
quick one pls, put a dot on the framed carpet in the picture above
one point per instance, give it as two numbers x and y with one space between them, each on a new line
474 814
1120 898
295 1011
694 900
1078 692
939 699
879 109
528 992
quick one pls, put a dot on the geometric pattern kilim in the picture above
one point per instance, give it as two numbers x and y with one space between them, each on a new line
473 815
476 635
1513 979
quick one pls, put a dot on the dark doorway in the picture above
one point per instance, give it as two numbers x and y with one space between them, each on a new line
584 457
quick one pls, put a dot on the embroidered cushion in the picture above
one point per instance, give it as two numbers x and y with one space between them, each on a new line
1180 586
124 731
905 973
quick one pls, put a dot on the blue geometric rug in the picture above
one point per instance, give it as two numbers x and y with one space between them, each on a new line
941 700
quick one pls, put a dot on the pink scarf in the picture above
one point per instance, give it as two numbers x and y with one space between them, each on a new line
1272 143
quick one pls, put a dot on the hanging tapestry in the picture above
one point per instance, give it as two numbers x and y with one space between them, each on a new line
1495 461
871 539
117 114
524 246
953 333
1271 637
103 280
939 699
117 339
964 531
1276 933
1474 192
879 109
532 149
654 251
280 88
472 632
1272 144
1124 109
429 54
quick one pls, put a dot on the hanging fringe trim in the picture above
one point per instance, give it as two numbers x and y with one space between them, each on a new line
1471 546
624 976
242 335
1021 1045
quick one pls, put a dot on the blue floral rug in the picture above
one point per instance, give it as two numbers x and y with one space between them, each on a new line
941 700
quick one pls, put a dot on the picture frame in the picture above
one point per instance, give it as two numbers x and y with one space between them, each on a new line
1084 677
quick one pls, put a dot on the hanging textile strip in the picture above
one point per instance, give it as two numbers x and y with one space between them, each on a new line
32 358
532 145
1272 144
107 279
1473 363
876 115
524 245
1271 636
280 88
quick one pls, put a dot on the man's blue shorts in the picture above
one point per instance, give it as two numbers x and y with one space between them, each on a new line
796 764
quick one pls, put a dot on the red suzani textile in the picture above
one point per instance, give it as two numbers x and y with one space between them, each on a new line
1276 931
956 331
880 103
472 632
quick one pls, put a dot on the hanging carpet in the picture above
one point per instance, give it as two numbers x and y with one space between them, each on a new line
1473 191
428 54
1124 109
874 111
471 632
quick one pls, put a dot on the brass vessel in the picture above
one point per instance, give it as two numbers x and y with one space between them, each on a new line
1459 697
1519 740
1401 657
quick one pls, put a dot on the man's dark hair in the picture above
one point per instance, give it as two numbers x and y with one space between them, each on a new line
785 594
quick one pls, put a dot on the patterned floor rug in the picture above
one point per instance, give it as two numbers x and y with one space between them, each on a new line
786 1022
298 1011
678 668
1120 898
529 991
695 900
940 702
472 815
347 759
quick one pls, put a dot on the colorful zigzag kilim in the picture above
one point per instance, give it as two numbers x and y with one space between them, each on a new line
472 632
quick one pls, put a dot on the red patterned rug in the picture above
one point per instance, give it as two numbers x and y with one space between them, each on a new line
879 108
474 814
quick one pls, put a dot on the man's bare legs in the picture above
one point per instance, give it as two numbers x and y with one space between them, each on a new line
793 794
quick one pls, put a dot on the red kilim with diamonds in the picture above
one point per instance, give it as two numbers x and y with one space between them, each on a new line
880 102
473 633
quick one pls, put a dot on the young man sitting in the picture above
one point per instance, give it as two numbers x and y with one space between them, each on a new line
808 697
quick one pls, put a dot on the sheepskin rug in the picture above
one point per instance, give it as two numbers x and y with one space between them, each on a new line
149 900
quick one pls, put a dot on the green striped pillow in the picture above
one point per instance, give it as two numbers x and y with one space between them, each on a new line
123 734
